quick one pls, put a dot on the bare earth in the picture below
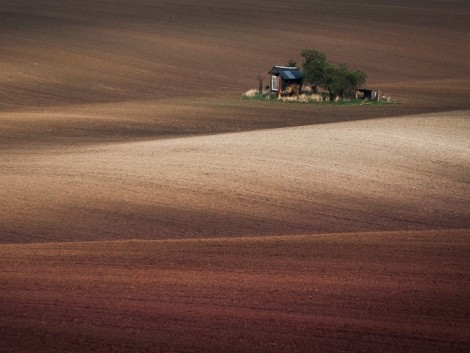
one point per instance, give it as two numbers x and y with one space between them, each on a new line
145 207
385 174
361 292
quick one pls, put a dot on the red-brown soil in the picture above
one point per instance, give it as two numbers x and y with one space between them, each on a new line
363 292
122 123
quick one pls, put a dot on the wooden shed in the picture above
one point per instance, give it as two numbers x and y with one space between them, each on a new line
285 80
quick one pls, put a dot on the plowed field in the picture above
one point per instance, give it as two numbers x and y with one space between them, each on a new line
361 292
146 207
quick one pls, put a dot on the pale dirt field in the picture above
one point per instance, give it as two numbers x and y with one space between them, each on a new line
386 174
122 120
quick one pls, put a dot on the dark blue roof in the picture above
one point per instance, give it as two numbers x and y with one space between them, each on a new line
287 73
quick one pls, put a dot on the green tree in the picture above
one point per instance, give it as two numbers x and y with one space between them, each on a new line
341 82
291 63
314 67
337 79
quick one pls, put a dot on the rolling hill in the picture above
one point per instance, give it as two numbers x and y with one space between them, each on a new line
146 207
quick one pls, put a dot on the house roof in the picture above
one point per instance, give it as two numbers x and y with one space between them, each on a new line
287 73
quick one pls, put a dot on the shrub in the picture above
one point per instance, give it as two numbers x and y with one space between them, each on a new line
251 93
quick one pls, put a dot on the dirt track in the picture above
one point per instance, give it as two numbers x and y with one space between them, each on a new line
122 120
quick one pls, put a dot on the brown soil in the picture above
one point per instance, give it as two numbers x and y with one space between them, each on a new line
123 120
363 292
179 67
56 54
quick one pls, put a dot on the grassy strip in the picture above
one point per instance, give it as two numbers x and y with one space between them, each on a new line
324 101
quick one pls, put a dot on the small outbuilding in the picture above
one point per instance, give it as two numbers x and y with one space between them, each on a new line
369 94
285 80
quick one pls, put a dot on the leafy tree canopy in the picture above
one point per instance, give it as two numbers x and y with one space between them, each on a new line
337 79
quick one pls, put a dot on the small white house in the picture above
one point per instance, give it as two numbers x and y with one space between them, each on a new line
283 77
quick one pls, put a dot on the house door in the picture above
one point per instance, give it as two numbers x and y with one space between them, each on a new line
274 83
